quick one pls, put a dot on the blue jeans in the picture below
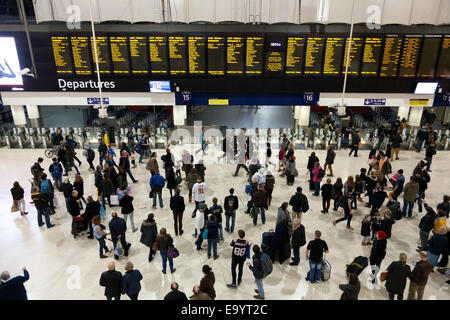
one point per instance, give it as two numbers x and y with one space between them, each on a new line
259 284
102 244
212 243
144 152
220 231
419 201
227 224
164 261
159 195
316 188
58 181
296 251
47 217
405 206
314 271
263 215
433 258
101 157
419 145
127 170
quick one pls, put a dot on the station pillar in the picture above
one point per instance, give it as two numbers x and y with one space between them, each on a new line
301 116
415 116
33 115
18 114
403 112
179 115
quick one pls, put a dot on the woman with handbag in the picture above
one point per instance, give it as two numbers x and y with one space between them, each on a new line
18 201
397 273
165 241
149 234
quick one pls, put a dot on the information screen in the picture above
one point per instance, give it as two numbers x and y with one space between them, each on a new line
158 54
254 56
443 70
119 55
371 56
410 56
177 55
314 54
334 50
295 55
104 61
139 56
235 55
62 55
391 56
9 63
428 56
355 56
216 55
197 55
81 55
275 51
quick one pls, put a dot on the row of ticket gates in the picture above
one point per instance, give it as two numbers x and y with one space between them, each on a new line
302 138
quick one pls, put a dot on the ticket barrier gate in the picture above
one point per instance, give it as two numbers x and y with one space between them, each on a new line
443 136
37 139
3 134
300 139
160 139
12 139
26 140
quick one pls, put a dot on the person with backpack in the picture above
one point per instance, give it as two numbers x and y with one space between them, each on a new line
329 160
90 156
47 190
200 224
231 204
217 211
37 165
41 203
157 183
299 204
56 170
270 183
262 267
398 185
314 253
318 174
298 240
345 202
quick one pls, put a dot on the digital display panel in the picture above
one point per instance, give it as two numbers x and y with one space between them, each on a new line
334 49
314 54
62 55
371 56
391 56
157 46
81 55
428 56
104 60
254 55
216 55
197 56
177 55
275 50
235 55
159 86
410 57
119 55
443 69
295 55
139 56
355 56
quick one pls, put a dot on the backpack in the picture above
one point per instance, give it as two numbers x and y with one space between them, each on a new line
305 205
90 154
266 264
321 174
57 171
45 186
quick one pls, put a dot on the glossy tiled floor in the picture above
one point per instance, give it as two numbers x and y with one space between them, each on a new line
64 268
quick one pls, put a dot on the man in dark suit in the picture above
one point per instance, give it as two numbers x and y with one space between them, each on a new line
118 227
298 240
112 281
13 288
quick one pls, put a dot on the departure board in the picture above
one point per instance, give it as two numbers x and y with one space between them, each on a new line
158 54
104 61
443 70
275 50
391 56
235 55
62 55
119 55
429 56
197 55
355 56
410 56
138 55
295 55
254 55
216 55
81 55
371 56
314 54
177 55
334 50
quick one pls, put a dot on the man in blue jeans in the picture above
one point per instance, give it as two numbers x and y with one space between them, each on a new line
145 144
410 192
314 253
157 183
41 204
259 200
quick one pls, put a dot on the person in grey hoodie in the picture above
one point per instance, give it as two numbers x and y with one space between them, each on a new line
283 214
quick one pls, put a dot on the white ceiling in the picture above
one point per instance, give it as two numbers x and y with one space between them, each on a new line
405 12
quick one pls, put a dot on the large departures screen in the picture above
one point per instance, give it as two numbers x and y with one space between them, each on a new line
254 57
314 55
410 56
157 46
334 49
295 55
428 56
216 55
235 55
177 55
391 56
119 55
354 57
62 55
443 69
139 55
104 59
197 56
371 56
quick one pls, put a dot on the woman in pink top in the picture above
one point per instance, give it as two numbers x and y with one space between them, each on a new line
316 179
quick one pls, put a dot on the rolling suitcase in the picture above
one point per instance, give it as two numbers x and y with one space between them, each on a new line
326 270
266 241
357 266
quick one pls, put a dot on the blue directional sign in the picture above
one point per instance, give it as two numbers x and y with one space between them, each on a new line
97 100
374 102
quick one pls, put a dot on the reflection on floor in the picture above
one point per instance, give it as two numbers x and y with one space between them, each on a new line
64 268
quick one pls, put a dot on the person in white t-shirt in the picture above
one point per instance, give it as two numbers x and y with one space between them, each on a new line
200 224
199 192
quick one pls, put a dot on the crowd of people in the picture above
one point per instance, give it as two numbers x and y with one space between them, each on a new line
282 244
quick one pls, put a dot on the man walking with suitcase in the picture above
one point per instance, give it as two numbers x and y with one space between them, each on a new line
314 253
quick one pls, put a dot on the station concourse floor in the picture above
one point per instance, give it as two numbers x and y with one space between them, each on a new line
54 258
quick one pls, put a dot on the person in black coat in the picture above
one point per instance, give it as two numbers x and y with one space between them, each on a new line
298 240
149 233
175 294
126 202
398 272
177 206
99 180
92 210
131 284
13 288
377 254
67 189
37 165
387 222
112 281
171 180
280 242
310 166
350 290
118 227
124 162
74 204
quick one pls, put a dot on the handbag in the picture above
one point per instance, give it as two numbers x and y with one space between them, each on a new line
118 250
383 276
15 206
155 246
205 234
150 195
114 199
172 252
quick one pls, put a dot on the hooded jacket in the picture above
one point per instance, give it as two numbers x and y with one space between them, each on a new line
149 232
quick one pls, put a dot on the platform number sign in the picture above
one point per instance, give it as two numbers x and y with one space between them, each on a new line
309 98
186 97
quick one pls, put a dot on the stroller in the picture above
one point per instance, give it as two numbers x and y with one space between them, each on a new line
79 224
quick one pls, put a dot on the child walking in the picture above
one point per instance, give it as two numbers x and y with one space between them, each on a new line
365 230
